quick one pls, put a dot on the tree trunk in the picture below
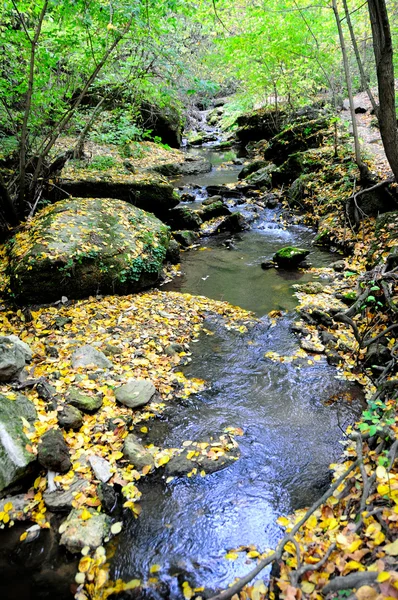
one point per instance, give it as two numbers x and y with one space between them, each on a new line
364 79
382 46
364 171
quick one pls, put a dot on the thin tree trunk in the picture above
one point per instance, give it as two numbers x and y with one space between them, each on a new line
28 104
383 50
78 150
364 79
358 158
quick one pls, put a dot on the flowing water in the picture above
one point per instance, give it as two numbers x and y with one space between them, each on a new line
291 434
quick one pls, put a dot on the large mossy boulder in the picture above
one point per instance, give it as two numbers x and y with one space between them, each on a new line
15 460
258 125
164 122
297 138
86 246
145 190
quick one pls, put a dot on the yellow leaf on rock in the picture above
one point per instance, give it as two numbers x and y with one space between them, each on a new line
307 587
366 593
154 569
86 515
116 528
231 555
383 576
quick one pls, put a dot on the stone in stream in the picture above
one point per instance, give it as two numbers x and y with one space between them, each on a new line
14 354
216 209
261 178
84 402
311 346
255 165
290 257
70 417
78 533
211 200
312 287
186 238
233 223
181 465
61 500
173 252
135 393
53 452
136 453
15 460
108 496
183 217
86 246
86 356
338 266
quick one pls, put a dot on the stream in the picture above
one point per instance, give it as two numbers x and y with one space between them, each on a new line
290 432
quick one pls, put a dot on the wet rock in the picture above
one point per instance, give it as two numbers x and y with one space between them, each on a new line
78 533
296 192
84 402
261 178
15 460
327 338
186 238
14 354
267 264
100 254
212 199
61 500
217 190
333 358
180 465
173 252
252 167
135 393
163 121
53 452
312 287
338 265
108 497
271 201
136 453
187 197
70 417
312 346
233 223
216 209
101 467
183 217
290 257
304 264
19 501
88 356
191 166
47 392
174 349
322 318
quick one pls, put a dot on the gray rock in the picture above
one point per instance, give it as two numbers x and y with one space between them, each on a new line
89 356
183 217
312 287
180 465
53 452
173 252
14 354
262 177
135 393
233 223
252 167
135 452
18 502
310 346
77 533
212 199
61 500
70 418
267 264
216 209
101 468
108 497
185 237
84 402
338 265
15 460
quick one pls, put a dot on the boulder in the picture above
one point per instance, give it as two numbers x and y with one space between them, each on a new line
164 122
173 252
312 287
298 137
15 460
78 532
101 467
14 354
184 217
262 177
186 238
212 199
217 209
80 247
255 165
136 453
258 125
149 191
53 452
135 393
84 402
290 257
233 223
70 417
61 500
108 497
88 356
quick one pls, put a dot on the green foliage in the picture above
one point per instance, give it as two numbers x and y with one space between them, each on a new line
102 163
376 417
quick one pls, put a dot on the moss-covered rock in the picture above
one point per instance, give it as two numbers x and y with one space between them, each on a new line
216 209
184 217
385 239
186 238
290 256
297 138
148 191
86 246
